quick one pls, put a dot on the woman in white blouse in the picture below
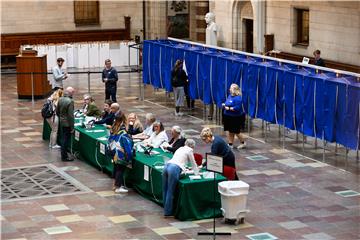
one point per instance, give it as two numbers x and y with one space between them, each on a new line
158 136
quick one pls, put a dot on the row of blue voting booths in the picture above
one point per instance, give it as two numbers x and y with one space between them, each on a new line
319 104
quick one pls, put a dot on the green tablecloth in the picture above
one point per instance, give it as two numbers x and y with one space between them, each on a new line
193 198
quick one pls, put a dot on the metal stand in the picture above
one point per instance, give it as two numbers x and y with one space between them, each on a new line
214 233
88 81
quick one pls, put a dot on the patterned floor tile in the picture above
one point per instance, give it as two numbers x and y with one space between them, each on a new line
69 218
122 219
261 236
183 225
257 158
292 224
10 131
243 226
166 230
249 172
318 236
279 184
55 207
23 139
224 229
272 172
348 193
106 193
28 134
57 230
317 164
279 151
29 121
24 128
203 221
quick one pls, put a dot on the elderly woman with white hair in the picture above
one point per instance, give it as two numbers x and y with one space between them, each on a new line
172 171
177 140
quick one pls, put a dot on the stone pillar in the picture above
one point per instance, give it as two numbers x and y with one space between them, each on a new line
202 7
259 24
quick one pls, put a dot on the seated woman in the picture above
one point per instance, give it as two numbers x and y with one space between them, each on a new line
172 171
219 147
158 136
177 140
108 119
134 125
89 107
149 121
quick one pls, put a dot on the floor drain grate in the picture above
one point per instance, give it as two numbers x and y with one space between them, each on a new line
39 181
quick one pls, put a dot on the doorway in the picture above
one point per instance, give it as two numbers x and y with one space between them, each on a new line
249 35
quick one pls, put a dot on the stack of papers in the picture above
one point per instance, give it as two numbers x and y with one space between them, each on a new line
194 177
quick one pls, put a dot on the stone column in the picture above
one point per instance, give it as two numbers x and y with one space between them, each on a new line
259 24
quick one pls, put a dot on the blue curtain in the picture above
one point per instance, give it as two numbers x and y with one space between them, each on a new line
308 107
320 105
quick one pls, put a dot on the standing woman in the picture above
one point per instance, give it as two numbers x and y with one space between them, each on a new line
178 82
219 148
234 116
118 128
54 119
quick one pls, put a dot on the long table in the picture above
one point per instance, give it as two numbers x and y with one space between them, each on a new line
193 198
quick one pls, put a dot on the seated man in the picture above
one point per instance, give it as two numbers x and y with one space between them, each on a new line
158 136
149 121
109 118
172 171
89 107
177 140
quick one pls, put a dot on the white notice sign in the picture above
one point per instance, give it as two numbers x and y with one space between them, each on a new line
146 173
214 163
102 148
77 135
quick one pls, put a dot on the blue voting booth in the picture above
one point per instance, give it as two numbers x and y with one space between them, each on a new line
319 105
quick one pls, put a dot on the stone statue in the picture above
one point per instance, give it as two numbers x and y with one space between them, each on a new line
211 39
211 29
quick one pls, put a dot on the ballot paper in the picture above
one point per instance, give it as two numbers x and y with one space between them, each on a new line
194 177
146 173
102 148
208 175
102 138
95 131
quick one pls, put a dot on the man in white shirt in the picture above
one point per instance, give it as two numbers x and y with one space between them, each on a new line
58 75
172 171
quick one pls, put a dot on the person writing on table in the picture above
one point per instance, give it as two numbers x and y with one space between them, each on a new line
219 147
108 119
157 137
172 171
177 140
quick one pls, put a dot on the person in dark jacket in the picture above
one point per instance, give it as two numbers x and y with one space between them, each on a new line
110 78
318 60
178 82
234 116
108 119
177 140
65 111
220 148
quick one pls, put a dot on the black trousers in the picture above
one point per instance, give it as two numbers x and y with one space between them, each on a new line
110 93
66 140
118 174
189 102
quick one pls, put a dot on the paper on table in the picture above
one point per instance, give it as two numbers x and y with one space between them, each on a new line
193 177
102 138
208 175
146 173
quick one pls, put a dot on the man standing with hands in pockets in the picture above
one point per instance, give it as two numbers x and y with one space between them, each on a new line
110 77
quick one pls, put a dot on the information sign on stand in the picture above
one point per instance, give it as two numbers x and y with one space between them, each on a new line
215 164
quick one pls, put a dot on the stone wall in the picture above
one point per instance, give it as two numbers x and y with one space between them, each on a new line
50 16
334 28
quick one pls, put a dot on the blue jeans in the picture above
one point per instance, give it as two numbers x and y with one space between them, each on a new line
170 177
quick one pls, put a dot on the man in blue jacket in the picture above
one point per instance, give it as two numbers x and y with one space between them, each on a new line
110 78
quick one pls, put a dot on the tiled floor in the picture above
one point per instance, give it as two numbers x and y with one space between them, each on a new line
291 196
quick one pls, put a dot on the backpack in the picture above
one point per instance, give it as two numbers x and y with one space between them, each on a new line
47 110
125 141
